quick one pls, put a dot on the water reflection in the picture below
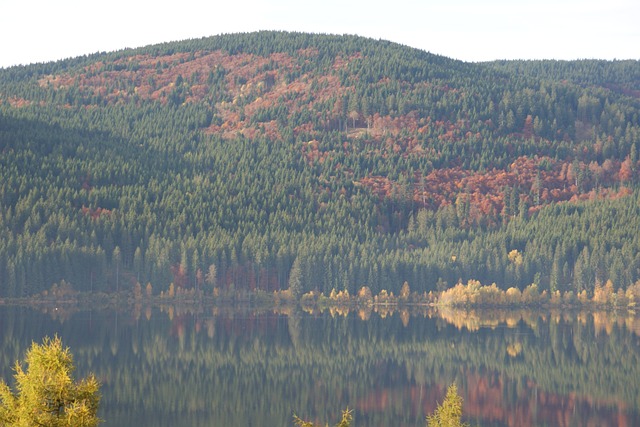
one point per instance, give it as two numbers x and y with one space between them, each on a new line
168 366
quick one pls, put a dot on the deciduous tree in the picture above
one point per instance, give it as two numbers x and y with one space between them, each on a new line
347 417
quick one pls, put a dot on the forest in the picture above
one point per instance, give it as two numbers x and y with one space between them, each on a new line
252 161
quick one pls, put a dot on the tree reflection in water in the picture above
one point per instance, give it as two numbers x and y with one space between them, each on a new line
180 367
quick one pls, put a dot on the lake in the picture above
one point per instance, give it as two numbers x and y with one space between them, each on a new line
223 367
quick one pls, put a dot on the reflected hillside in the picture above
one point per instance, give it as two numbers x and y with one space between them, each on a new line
217 367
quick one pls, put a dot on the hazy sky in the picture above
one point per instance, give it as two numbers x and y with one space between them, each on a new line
471 30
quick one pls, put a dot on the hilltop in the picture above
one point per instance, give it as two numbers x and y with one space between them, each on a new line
368 162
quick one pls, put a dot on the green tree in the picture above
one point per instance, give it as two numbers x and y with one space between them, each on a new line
117 258
295 279
47 394
448 413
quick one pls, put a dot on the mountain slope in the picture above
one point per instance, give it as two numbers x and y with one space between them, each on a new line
371 162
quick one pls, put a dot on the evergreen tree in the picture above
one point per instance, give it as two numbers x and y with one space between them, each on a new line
47 395
449 412
295 279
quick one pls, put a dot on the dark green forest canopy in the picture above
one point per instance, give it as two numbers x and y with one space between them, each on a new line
370 162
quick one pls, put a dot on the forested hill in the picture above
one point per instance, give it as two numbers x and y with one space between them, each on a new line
270 159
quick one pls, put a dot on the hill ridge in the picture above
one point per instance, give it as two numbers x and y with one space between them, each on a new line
248 151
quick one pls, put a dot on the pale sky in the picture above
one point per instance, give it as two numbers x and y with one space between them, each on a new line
470 30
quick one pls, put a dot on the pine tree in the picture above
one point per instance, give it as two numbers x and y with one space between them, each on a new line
295 278
448 414
47 395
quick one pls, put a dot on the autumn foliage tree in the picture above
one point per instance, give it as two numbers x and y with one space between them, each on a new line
449 412
46 393
347 417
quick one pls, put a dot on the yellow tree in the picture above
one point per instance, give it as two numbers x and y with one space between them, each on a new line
347 417
47 394
449 413
405 292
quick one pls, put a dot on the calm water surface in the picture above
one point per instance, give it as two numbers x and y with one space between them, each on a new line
166 368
